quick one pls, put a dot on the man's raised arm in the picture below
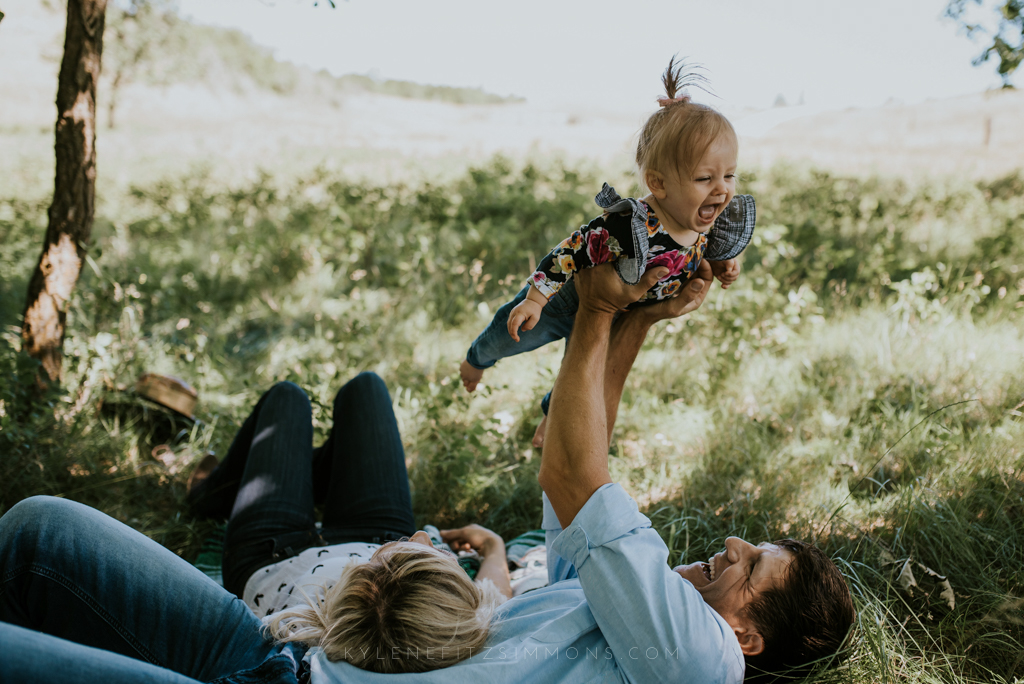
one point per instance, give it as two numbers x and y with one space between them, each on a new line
584 402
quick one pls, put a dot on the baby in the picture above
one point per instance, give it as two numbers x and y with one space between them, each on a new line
686 157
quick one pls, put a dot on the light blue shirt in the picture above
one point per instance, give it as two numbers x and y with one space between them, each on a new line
613 612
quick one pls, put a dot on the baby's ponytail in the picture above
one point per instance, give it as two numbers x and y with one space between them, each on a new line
676 79
676 137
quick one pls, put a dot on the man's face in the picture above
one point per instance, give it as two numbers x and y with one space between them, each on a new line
731 579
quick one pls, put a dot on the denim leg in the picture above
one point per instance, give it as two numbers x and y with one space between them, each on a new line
73 573
495 343
363 464
272 516
31 656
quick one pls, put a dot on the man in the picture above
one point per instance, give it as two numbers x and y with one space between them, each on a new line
780 605
614 611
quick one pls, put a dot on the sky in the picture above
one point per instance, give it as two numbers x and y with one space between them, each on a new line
828 54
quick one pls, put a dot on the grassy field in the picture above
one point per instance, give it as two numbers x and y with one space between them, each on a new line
861 385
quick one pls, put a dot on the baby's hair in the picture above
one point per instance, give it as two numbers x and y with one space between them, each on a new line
677 136
679 76
404 610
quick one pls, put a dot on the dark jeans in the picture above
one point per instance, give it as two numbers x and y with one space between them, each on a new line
272 477
84 598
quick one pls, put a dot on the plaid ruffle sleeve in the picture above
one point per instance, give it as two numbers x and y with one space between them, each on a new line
733 229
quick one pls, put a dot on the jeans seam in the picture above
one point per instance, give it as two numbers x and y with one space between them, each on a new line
270 677
55 576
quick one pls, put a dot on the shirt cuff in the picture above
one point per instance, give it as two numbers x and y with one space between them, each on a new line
550 521
609 514
543 285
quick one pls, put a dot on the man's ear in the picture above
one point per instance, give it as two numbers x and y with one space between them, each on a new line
655 183
751 641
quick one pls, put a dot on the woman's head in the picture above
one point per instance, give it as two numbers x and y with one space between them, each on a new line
410 608
679 140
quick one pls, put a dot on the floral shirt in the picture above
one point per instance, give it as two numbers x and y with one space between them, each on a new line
609 238
631 235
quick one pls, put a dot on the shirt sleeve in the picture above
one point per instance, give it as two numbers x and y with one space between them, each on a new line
733 229
558 568
598 242
656 623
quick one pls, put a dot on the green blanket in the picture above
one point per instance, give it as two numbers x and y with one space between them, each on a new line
212 551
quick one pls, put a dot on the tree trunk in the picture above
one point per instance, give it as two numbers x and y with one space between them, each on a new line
74 193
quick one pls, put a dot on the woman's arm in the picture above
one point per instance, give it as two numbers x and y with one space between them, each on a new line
491 548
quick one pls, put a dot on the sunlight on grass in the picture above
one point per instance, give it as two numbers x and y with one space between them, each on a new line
861 385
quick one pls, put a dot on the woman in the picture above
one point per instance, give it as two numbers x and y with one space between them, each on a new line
378 596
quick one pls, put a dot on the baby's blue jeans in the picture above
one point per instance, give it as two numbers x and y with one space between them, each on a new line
555 323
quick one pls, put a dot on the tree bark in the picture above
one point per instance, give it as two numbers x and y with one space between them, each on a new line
74 194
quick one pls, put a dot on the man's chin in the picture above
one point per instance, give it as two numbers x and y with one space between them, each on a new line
694 573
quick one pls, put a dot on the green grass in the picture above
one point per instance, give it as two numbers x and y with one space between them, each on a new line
861 385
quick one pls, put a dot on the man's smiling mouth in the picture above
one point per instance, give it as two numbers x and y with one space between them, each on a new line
709 569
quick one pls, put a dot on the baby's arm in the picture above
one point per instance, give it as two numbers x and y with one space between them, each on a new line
726 271
526 313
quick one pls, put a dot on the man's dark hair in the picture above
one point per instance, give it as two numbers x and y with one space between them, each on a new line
804 621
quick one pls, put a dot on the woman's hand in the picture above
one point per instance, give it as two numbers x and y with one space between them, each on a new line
472 537
494 566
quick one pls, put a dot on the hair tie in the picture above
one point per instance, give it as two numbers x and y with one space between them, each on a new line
666 101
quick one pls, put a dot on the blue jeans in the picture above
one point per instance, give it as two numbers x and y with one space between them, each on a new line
86 599
272 477
556 321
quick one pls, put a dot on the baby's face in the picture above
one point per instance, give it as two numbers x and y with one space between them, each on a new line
694 202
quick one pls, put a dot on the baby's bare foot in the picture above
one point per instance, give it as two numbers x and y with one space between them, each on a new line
470 375
538 436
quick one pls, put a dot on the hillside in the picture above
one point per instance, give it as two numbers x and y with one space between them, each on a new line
214 99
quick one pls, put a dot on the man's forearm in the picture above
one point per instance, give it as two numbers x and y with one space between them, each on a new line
574 463
627 337
575 457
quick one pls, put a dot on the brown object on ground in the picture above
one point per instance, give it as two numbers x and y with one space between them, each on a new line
202 471
74 192
166 390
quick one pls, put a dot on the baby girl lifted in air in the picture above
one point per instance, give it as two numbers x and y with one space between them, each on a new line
686 156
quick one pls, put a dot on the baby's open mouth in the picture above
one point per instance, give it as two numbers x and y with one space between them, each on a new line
707 212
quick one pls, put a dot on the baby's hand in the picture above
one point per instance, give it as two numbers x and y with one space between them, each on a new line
726 271
526 314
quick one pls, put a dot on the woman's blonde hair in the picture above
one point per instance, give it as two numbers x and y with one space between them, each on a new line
405 610
676 137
